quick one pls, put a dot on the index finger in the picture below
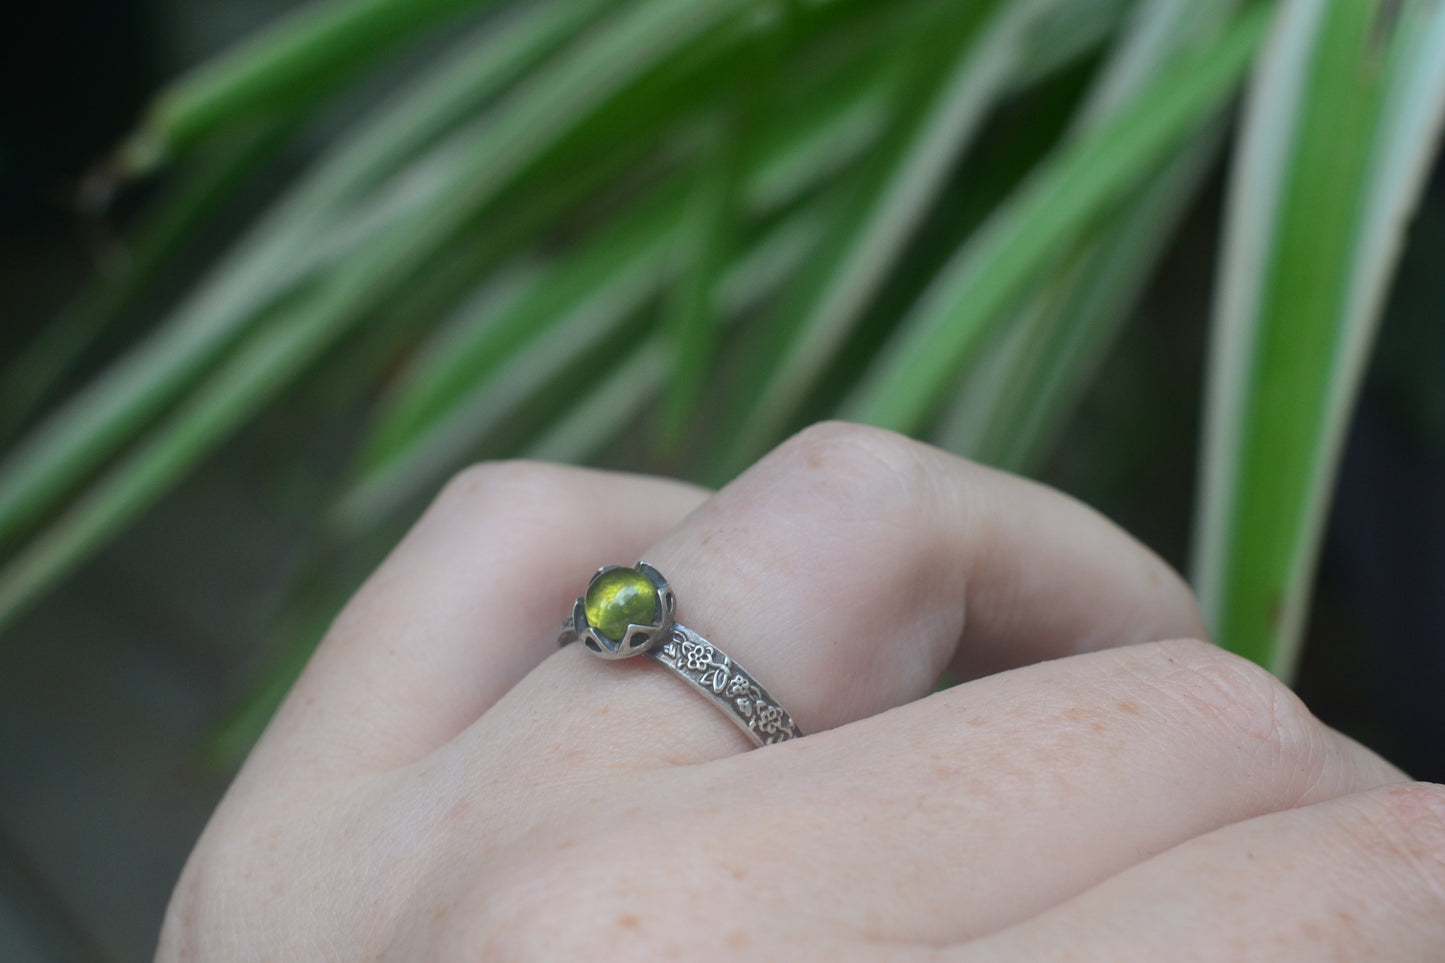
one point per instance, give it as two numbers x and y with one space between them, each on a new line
461 609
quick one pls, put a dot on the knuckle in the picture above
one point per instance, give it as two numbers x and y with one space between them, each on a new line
510 502
1410 821
511 484
858 462
1244 703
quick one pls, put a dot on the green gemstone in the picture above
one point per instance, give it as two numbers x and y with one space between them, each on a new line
619 598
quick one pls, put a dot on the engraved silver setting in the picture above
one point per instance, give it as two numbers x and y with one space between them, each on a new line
699 663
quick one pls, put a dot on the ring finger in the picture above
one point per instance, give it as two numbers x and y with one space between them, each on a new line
843 570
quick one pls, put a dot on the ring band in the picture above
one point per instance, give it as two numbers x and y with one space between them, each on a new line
631 611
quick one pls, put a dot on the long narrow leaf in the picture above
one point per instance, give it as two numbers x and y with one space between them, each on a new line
279 253
31 377
606 408
480 337
922 155
318 44
1342 121
815 146
520 350
1024 387
524 127
541 336
1065 332
702 251
260 368
1040 222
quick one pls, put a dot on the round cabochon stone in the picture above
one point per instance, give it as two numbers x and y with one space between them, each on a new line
619 598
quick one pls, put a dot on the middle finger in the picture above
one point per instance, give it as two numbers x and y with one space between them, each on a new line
1000 798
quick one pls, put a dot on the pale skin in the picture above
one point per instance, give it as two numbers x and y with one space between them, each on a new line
443 783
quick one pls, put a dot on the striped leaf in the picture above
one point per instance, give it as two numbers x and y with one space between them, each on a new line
1343 117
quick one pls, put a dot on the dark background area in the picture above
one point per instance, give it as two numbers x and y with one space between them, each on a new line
110 690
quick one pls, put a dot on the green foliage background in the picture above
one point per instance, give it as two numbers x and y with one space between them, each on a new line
667 233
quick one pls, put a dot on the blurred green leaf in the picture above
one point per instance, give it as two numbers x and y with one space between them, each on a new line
299 237
606 407
32 376
498 353
266 362
614 403
832 135
480 337
492 356
704 243
1028 379
1343 116
1047 214
923 147
989 53
295 59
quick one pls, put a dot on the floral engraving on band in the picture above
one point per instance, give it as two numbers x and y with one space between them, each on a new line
705 663
711 670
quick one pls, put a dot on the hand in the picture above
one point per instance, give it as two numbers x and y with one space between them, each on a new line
443 783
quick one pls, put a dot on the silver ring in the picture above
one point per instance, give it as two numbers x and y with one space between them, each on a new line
631 611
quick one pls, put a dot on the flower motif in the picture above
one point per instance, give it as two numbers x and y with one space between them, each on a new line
696 656
770 719
738 685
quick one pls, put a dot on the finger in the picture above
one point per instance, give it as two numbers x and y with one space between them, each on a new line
1357 878
1000 798
463 607
841 571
